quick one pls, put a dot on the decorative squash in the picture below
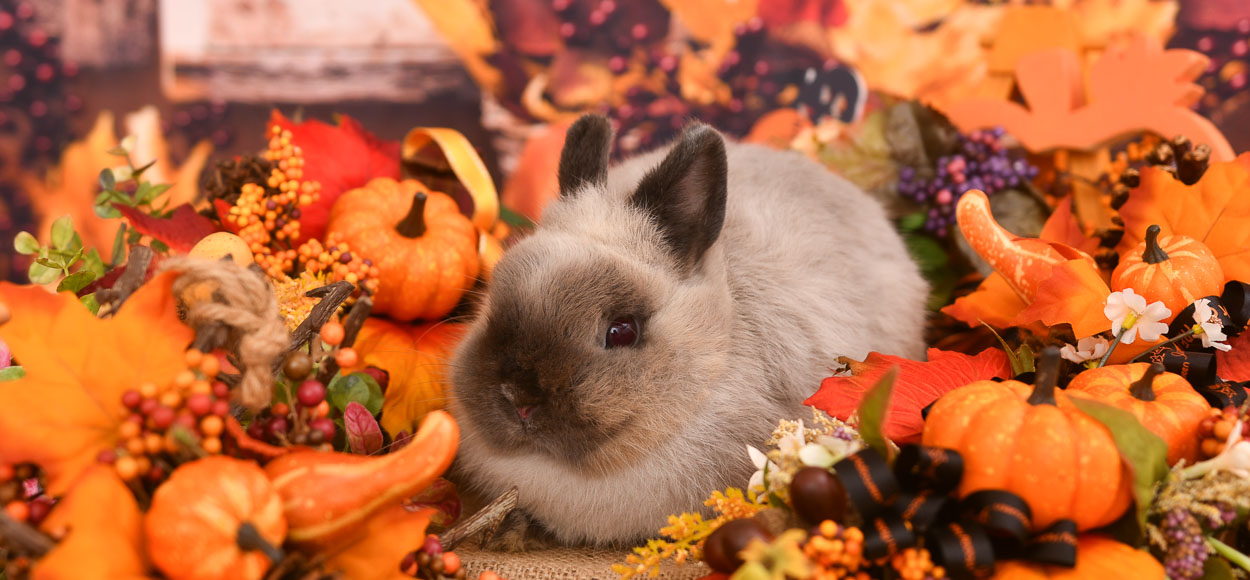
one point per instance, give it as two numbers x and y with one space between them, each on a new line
1175 269
1096 557
330 496
1164 403
215 518
221 244
1032 441
426 259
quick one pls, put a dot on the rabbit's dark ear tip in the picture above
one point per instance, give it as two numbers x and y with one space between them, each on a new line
584 160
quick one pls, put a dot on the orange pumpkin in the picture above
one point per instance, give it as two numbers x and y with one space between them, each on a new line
203 518
1165 403
1032 441
1175 269
426 259
329 497
1096 557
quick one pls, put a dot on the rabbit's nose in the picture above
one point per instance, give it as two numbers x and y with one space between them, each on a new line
524 400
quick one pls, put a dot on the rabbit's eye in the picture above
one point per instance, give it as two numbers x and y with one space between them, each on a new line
622 332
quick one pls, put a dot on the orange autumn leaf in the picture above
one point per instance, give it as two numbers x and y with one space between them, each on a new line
533 184
993 302
1063 227
1214 211
1074 293
105 529
387 538
415 357
1234 365
68 406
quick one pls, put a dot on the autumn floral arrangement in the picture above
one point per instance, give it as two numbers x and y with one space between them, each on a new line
250 386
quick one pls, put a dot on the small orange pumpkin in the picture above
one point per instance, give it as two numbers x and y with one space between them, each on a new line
329 497
1175 269
215 518
1165 403
1096 557
1032 441
426 259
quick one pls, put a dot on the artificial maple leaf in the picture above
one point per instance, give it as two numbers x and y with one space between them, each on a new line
339 157
1214 211
415 357
180 231
1074 293
388 536
1234 365
67 408
1063 227
993 302
533 184
105 528
918 385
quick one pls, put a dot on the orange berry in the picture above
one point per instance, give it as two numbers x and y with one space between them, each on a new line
135 446
201 388
184 379
346 357
18 510
280 409
451 563
210 366
128 430
148 390
1222 429
143 464
488 575
154 443
171 399
127 467
211 445
321 410
332 333
1211 447
211 426
193 358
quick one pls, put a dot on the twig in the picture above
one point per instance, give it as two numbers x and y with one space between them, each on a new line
130 280
25 537
332 296
484 522
352 324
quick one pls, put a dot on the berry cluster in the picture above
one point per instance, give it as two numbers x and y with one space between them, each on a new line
1214 430
305 423
981 161
22 494
432 563
1187 551
33 100
200 121
836 551
916 564
335 257
164 423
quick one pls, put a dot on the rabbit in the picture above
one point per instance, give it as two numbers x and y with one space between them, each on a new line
664 315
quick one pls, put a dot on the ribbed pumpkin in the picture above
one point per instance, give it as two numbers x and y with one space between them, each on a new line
1032 441
215 518
1175 269
426 258
1165 403
1096 557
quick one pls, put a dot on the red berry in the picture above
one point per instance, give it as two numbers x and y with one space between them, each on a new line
221 390
186 420
221 408
162 417
432 546
325 425
107 456
131 399
148 406
39 508
257 429
311 393
382 377
278 426
200 403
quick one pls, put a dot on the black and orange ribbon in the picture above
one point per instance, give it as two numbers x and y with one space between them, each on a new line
913 500
1188 357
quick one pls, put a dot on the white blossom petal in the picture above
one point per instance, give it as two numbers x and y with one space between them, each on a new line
817 455
758 459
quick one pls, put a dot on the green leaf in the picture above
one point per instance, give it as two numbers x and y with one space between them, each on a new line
1012 356
872 410
106 179
104 206
927 252
1143 452
25 243
119 245
1028 362
1217 569
1232 554
514 219
160 247
133 237
11 373
91 303
62 232
73 258
156 190
49 263
912 222
92 262
117 152
139 170
40 274
76 281
357 387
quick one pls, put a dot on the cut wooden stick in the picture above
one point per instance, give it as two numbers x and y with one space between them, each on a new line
24 537
484 522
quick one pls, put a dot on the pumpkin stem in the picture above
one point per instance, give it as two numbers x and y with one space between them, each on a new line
249 539
413 224
1154 252
1143 388
1047 377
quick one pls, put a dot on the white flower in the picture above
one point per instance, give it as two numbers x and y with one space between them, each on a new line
122 173
762 464
1088 348
128 143
826 451
790 443
1130 316
1209 326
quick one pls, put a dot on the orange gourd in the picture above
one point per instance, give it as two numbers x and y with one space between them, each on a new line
1034 442
1165 403
1096 557
215 518
1175 269
329 497
426 259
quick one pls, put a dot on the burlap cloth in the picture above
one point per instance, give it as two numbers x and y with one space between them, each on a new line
563 564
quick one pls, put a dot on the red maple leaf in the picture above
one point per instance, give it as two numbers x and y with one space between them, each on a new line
1234 365
918 385
180 231
339 157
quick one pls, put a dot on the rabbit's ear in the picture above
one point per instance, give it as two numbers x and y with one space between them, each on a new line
584 160
686 193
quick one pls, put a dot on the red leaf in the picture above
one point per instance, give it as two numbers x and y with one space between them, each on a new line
222 207
1234 365
364 435
441 496
918 385
109 278
340 158
179 231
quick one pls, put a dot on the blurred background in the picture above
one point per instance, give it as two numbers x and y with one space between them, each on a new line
200 78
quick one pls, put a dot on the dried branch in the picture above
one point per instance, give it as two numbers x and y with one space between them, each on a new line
24 537
332 296
484 522
111 299
351 328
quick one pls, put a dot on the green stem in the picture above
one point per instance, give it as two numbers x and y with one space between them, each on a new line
1178 337
1230 553
1111 348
